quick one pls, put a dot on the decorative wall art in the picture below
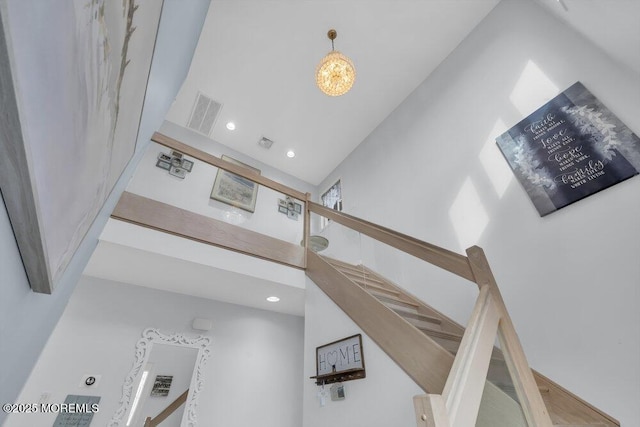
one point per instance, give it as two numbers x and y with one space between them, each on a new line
175 163
81 101
290 208
340 361
235 190
161 385
569 149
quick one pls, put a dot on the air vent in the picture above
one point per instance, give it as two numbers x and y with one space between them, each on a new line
204 114
265 143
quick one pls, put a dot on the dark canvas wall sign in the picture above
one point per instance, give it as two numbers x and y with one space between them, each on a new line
570 148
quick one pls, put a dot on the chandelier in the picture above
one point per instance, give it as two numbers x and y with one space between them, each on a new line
335 73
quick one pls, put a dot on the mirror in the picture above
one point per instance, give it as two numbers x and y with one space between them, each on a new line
162 387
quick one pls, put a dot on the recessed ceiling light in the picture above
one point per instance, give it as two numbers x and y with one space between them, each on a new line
273 299
231 126
291 154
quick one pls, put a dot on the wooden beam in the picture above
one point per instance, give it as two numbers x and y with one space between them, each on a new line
425 361
179 222
443 258
222 164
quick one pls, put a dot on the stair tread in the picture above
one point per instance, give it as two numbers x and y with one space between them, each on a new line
388 299
441 334
418 316
361 276
376 288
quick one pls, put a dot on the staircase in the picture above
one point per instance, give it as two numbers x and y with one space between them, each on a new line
457 367
565 409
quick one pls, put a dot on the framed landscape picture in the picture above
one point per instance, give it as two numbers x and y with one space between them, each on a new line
235 190
569 149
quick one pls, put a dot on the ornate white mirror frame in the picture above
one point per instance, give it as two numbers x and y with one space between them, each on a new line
152 336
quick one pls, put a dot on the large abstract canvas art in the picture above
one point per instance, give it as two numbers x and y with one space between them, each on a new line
80 70
570 148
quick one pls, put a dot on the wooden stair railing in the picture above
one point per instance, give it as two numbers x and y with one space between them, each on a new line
173 406
431 370
456 401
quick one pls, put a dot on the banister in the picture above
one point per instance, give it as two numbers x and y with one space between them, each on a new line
222 164
443 258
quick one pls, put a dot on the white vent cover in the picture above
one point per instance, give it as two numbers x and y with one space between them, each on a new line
265 143
204 114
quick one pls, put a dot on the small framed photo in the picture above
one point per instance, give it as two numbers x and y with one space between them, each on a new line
176 154
164 157
176 162
282 202
292 215
162 385
179 172
283 209
187 165
163 164
297 207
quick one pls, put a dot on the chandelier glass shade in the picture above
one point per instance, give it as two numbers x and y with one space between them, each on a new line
335 74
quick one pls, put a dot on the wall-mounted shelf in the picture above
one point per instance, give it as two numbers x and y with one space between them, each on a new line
340 361
339 377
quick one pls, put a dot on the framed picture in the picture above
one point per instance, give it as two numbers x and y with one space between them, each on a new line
179 172
161 385
235 190
283 209
340 361
297 207
164 157
176 154
176 162
187 165
570 148
163 164
104 100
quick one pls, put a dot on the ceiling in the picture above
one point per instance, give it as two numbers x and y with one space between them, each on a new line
258 59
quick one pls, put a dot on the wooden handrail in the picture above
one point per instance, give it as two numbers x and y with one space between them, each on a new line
222 164
153 422
443 258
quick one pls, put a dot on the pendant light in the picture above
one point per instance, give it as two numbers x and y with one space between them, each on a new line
335 74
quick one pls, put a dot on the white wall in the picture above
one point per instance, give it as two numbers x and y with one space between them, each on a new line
26 318
193 192
571 279
254 372
382 399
